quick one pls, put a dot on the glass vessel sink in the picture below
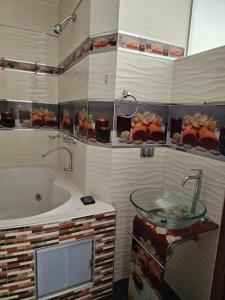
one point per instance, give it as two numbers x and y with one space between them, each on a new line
166 208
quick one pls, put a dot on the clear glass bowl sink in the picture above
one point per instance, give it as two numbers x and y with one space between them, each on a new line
166 208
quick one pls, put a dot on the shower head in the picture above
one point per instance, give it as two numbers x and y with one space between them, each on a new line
58 28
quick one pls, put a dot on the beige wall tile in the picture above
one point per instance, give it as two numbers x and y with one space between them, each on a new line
166 20
98 172
24 147
200 77
104 16
17 85
102 75
36 15
148 78
73 84
28 46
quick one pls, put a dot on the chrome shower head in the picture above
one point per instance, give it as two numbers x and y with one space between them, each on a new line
58 28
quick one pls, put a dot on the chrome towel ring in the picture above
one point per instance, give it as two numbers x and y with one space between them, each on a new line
127 95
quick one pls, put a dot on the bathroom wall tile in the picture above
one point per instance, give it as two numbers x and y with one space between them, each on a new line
75 33
28 46
100 115
98 172
147 126
81 120
102 75
27 115
32 144
200 77
9 148
169 23
19 148
147 78
18 85
73 84
198 127
104 16
67 117
35 15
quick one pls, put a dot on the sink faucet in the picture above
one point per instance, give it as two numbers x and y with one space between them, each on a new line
198 178
70 167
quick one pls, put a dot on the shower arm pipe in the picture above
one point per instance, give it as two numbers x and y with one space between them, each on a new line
75 10
59 27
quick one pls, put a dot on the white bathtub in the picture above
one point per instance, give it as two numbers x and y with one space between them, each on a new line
33 195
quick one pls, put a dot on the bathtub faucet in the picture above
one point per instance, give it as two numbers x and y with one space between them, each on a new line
70 167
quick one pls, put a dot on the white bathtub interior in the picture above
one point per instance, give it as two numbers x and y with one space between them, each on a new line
34 195
26 192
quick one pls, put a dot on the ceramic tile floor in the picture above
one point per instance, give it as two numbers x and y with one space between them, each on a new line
120 292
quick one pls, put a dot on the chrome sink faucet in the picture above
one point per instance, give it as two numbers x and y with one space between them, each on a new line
198 178
70 167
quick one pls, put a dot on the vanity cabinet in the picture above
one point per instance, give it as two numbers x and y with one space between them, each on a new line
152 249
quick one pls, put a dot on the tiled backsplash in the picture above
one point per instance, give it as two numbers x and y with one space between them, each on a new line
198 128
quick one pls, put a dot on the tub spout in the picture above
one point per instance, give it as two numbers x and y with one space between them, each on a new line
70 166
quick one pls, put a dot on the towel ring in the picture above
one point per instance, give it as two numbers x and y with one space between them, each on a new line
126 95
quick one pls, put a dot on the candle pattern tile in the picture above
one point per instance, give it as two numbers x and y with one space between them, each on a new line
16 114
142 123
198 127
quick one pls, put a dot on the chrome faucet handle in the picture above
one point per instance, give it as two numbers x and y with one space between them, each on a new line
68 169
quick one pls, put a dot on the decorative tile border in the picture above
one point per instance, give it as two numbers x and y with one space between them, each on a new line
149 46
17 255
28 67
127 42
97 44
196 128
